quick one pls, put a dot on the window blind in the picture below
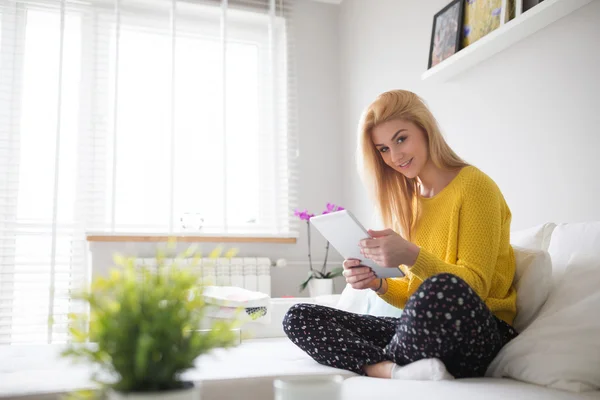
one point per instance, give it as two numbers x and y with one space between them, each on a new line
135 116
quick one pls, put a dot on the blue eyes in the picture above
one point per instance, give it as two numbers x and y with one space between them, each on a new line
400 140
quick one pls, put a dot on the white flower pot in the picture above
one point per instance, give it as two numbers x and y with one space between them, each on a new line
192 393
320 287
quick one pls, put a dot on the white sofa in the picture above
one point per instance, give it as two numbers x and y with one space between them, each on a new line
277 356
248 371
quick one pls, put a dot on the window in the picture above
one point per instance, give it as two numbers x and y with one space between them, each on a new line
125 117
214 102
215 176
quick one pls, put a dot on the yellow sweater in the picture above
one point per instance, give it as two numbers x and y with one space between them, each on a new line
464 230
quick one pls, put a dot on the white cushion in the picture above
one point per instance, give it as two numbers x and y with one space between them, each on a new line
353 300
537 237
381 308
248 371
244 372
35 370
366 302
359 388
328 300
533 279
561 348
569 239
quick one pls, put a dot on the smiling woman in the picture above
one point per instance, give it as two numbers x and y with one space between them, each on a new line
447 229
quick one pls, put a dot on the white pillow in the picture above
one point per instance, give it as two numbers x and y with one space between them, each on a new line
328 300
572 238
366 302
561 348
381 308
537 237
533 279
353 300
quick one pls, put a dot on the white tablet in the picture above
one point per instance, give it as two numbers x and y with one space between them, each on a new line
344 232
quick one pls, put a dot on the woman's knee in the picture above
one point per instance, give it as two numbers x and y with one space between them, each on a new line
296 315
443 288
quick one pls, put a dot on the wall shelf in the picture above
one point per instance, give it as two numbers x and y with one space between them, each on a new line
505 36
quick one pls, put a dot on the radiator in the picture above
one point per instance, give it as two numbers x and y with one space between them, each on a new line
252 273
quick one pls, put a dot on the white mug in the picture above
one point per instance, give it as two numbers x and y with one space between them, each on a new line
309 387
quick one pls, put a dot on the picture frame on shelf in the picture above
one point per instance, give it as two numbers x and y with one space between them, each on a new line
446 32
482 17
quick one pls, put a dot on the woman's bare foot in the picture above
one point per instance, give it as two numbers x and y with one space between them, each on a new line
379 370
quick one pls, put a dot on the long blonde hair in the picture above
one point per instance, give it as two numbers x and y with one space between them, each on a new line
395 195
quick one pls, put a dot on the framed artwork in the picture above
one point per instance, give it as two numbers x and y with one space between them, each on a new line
527 4
483 16
446 32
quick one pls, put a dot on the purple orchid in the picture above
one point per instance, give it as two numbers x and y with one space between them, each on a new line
332 208
304 215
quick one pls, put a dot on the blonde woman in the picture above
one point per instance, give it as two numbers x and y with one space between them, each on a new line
448 232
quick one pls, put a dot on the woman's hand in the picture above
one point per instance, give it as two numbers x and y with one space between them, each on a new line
388 249
359 277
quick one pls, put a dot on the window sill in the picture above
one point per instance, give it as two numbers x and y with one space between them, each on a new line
189 238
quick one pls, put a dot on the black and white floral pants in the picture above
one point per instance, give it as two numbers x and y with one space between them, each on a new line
443 319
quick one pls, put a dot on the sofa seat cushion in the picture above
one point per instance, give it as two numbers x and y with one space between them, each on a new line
248 371
358 388
243 372
257 358
38 370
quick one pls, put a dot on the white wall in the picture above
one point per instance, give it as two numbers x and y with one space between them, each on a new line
529 117
315 35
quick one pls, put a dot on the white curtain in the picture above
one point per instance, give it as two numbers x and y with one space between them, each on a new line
133 116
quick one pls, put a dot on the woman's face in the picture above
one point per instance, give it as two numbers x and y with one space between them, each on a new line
402 146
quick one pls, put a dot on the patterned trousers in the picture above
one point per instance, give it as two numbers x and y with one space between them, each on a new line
443 319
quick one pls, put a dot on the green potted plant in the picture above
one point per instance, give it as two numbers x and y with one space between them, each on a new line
142 330
319 281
